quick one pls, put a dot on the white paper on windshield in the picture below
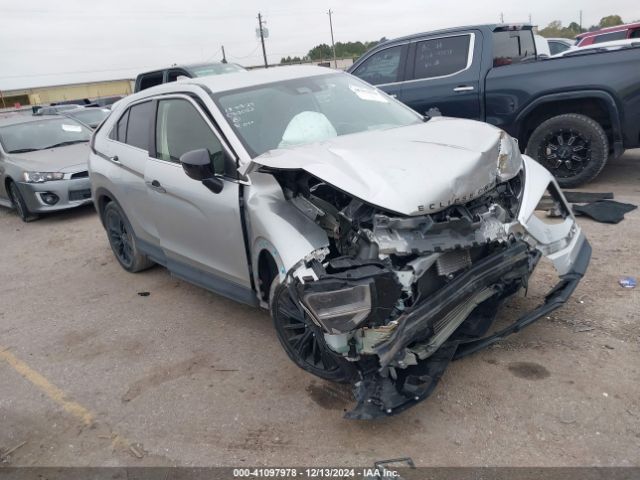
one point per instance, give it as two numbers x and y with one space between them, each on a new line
369 94
72 128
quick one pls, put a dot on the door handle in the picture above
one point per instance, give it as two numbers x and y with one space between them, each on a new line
115 159
464 88
155 185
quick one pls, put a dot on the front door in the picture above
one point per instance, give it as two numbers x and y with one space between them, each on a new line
384 69
200 231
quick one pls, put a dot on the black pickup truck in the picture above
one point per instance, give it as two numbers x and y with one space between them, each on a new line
570 113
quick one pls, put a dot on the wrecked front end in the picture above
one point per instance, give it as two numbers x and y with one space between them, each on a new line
398 297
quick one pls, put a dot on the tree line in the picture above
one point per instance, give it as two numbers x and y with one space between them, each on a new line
556 30
324 52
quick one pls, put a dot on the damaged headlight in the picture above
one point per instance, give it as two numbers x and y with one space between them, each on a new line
509 158
340 310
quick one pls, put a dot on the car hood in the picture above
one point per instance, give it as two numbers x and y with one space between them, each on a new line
67 159
411 170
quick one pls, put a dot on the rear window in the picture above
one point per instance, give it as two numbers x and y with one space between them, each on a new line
149 80
512 47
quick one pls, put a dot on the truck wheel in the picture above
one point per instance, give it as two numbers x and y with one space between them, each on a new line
574 148
123 241
303 340
20 205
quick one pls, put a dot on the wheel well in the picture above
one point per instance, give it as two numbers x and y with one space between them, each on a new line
103 200
590 107
267 271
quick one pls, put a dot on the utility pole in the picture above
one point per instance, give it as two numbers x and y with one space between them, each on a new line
580 21
264 52
333 45
224 58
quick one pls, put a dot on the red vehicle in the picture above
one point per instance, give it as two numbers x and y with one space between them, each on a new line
619 32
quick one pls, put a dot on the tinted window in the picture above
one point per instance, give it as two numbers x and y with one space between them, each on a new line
441 56
180 128
609 37
557 47
635 34
138 126
512 47
150 80
381 67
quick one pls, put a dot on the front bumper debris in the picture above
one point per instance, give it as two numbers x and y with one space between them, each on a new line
377 395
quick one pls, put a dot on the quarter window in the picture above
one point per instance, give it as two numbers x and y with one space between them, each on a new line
180 128
441 56
512 47
138 125
381 67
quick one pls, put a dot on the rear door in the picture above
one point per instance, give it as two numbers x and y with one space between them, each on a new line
384 68
444 73
128 148
200 232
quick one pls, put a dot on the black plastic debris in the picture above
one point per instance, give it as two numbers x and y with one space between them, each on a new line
605 211
144 294
587 197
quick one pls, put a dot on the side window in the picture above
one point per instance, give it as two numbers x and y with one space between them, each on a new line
557 47
381 67
180 128
138 125
441 56
609 37
119 130
635 33
512 47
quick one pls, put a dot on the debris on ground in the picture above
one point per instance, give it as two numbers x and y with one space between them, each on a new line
137 450
144 294
628 282
5 456
604 211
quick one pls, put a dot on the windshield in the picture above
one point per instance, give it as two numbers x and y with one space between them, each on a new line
215 69
90 116
42 134
306 110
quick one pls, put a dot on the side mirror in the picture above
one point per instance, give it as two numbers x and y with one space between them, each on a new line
197 165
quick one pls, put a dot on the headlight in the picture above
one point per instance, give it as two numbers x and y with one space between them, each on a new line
340 310
41 177
509 158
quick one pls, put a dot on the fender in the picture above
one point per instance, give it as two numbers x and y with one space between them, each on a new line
609 101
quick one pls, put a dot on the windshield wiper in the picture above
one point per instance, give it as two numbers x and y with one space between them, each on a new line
63 144
23 150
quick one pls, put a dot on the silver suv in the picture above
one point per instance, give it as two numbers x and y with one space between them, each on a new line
383 242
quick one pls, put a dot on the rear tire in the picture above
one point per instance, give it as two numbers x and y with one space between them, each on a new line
573 147
303 340
20 205
123 241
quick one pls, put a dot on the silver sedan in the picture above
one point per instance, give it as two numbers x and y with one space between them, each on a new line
43 164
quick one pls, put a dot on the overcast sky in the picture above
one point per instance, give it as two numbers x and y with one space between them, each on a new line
47 42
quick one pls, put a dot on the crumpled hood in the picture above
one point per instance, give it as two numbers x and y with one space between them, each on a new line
67 159
411 170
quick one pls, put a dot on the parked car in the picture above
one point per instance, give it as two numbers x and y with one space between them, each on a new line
54 109
559 45
381 241
90 116
158 77
571 114
619 32
43 164
601 47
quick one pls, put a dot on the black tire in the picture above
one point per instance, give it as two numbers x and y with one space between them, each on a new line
20 205
303 340
573 147
123 241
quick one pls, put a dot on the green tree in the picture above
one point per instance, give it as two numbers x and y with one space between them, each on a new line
610 21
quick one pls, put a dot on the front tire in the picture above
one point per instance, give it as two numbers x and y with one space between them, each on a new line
123 241
303 340
573 147
20 205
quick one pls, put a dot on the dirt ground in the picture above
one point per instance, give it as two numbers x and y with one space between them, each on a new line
91 373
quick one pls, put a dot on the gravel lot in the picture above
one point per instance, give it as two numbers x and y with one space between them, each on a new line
91 373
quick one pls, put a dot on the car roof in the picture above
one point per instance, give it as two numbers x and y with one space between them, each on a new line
617 28
17 118
238 80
